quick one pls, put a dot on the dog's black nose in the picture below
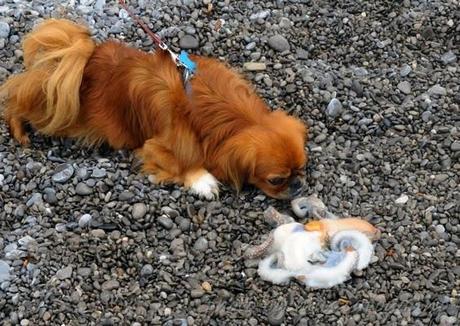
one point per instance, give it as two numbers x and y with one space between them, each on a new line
295 187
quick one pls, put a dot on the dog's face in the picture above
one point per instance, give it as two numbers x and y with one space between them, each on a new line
270 156
280 158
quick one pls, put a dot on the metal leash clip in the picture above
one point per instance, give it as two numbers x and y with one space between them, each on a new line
182 61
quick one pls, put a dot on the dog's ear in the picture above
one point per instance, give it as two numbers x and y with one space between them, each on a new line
290 122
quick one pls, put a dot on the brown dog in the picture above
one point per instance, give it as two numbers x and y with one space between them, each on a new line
110 93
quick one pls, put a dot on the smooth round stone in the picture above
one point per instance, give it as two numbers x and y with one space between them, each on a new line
405 87
165 222
50 195
139 210
334 108
147 270
84 220
110 285
279 43
201 244
83 189
98 173
405 70
63 173
189 42
4 271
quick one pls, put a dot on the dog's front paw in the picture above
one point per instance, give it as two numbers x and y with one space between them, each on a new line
205 185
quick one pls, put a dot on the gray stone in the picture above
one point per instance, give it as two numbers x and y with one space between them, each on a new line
4 271
147 270
437 90
197 293
405 70
4 29
64 273
448 57
201 244
189 42
35 199
126 196
139 210
279 43
334 108
63 173
426 116
285 23
165 222
455 146
83 189
99 5
260 15
110 285
98 173
50 195
405 87
84 220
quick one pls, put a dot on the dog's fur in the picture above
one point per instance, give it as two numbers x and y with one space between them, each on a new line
111 93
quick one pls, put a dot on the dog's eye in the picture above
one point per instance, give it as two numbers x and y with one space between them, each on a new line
277 181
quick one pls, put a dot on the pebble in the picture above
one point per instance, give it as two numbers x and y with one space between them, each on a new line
64 273
201 244
357 88
405 70
4 29
279 43
110 285
285 23
254 66
165 222
426 116
206 286
99 173
437 90
455 146
83 189
402 200
4 271
126 196
63 173
196 293
147 270
50 195
405 87
35 199
188 42
84 220
276 314
448 57
440 229
334 108
139 210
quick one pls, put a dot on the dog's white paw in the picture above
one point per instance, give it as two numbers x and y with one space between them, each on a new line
205 186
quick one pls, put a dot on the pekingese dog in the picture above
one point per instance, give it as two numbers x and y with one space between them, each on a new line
110 93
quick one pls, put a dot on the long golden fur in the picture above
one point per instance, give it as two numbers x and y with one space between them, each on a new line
127 98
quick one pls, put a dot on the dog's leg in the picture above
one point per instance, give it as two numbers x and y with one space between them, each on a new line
17 130
185 169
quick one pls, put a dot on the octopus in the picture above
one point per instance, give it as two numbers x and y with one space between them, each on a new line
321 253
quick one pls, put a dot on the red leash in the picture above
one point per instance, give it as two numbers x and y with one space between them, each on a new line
182 61
149 32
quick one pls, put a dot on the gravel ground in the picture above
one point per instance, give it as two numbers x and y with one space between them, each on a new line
85 239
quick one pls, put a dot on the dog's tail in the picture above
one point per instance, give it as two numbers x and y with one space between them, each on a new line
55 56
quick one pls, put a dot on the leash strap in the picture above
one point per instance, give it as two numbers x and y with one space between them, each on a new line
182 61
